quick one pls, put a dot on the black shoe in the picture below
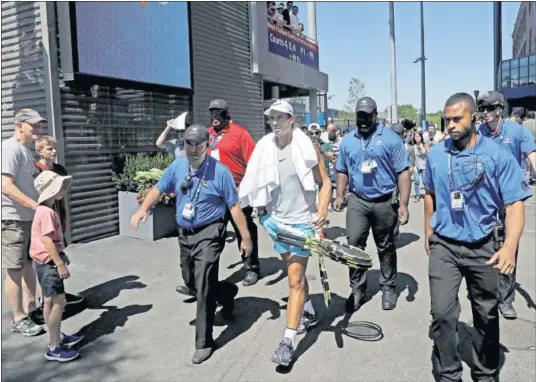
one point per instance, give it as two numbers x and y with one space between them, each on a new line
228 306
73 299
201 355
37 316
508 311
354 301
252 276
185 291
389 298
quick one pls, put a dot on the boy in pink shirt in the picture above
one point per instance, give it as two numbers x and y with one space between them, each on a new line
51 263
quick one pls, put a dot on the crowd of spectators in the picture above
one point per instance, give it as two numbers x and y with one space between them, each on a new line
285 16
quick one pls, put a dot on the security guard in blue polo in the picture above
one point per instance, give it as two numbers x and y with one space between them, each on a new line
468 179
373 160
204 189
519 141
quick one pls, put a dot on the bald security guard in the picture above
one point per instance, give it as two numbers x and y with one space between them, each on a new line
518 140
374 161
205 190
468 179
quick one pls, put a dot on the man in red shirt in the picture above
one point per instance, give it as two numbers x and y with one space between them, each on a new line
232 145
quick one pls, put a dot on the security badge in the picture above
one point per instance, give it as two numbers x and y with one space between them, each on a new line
456 200
188 211
368 166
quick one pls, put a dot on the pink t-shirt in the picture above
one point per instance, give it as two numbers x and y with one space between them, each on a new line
46 221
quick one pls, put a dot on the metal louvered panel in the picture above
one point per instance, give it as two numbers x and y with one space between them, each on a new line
222 63
98 123
22 62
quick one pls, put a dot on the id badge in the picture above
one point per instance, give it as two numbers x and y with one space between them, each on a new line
373 164
365 167
456 200
189 211
215 154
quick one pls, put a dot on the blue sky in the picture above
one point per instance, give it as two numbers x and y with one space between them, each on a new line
354 42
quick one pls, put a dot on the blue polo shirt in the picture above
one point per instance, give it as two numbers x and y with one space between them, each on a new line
216 186
488 177
386 148
515 137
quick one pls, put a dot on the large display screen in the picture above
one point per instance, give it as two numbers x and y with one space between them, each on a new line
137 41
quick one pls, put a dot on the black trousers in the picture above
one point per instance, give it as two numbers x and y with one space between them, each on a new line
200 259
449 262
507 285
251 262
380 215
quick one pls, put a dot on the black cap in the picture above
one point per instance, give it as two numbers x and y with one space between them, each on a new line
491 98
196 133
218 104
366 104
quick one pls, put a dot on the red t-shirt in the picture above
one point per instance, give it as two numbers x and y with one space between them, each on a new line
233 147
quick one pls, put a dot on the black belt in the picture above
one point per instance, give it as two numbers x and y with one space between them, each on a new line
193 231
475 244
379 199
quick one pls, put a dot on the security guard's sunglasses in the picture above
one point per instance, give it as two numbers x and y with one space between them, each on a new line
187 183
483 108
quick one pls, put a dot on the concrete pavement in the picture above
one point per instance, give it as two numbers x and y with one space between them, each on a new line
136 328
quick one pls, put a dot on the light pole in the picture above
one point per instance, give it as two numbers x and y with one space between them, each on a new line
394 106
423 72
476 93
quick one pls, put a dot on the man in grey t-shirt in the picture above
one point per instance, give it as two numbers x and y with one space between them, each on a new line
18 204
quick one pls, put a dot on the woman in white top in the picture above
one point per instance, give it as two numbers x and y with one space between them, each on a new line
421 153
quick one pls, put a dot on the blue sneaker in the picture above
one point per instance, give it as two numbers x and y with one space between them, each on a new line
69 341
61 354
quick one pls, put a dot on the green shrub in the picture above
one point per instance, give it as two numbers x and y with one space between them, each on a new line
140 172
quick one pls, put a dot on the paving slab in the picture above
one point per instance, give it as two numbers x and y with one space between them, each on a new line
137 326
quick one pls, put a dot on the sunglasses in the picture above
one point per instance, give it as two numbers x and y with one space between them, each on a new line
187 183
483 108
315 133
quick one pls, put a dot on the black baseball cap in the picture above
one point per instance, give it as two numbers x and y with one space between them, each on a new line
491 98
218 104
196 133
366 104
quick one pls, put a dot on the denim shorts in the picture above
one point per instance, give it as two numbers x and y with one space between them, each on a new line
273 227
49 279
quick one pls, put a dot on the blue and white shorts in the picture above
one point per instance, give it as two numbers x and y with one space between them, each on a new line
273 227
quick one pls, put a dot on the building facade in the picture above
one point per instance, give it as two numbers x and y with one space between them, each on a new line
524 34
95 117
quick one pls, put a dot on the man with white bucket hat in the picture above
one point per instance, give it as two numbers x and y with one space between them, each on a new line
175 146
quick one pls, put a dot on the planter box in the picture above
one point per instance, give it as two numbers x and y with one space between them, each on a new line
160 223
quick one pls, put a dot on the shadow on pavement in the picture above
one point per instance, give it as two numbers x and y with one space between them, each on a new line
96 297
248 310
406 238
404 281
465 334
526 296
268 267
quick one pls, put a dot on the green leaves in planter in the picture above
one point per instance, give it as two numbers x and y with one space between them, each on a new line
127 166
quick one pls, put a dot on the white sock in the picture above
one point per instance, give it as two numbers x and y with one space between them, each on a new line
308 307
291 335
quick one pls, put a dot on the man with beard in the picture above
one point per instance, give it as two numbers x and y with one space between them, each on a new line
374 161
232 145
516 139
468 180
205 191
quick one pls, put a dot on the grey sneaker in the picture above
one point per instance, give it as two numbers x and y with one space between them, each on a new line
283 353
307 321
27 327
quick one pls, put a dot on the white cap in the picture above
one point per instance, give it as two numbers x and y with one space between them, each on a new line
178 123
282 106
313 126
49 184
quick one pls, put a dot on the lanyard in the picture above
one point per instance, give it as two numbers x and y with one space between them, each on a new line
501 132
364 146
201 179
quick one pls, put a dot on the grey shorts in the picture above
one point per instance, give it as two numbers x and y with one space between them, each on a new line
16 243
49 279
